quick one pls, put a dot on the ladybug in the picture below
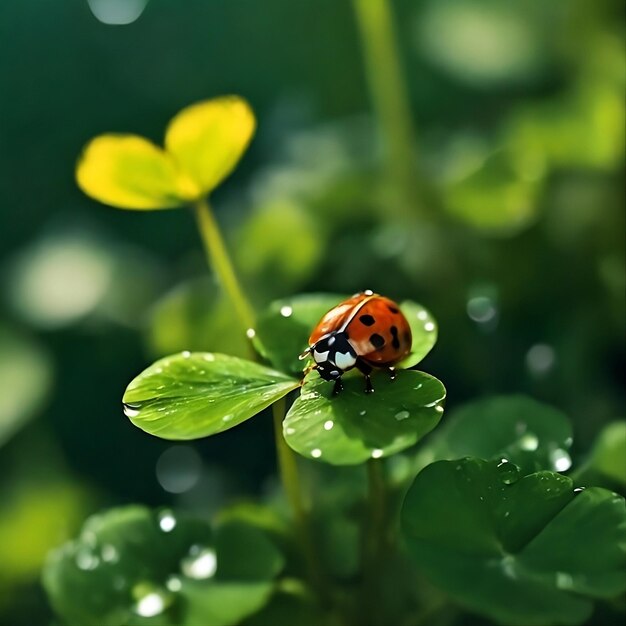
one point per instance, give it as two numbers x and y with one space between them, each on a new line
365 331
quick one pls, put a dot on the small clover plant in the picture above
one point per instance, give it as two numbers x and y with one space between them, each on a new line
483 509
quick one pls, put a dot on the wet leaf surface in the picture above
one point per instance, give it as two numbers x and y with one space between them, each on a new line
193 395
531 550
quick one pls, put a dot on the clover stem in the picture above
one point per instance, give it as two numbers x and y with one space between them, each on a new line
288 470
374 538
390 95
219 259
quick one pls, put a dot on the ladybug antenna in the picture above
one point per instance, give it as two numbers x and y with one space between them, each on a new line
305 354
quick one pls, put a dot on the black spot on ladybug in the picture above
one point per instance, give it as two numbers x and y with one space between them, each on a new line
394 333
377 340
393 309
366 319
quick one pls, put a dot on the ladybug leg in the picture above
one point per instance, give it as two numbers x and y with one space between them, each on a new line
366 370
338 388
392 373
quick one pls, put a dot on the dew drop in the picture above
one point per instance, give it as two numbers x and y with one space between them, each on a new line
151 604
186 354
286 311
109 553
508 473
363 412
209 357
250 333
200 564
87 560
131 410
328 425
439 408
377 453
167 521
561 460
579 490
316 453
290 431
174 583
529 442
402 415
422 315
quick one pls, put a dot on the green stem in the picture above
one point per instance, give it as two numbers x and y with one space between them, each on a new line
221 263
374 540
288 469
219 259
389 93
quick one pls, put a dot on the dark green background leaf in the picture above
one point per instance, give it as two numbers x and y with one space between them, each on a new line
525 553
609 452
354 426
528 433
134 566
193 395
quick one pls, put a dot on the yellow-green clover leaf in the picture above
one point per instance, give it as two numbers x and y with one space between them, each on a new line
130 172
203 142
208 139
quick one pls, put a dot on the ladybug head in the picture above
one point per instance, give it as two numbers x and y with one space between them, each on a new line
333 355
328 371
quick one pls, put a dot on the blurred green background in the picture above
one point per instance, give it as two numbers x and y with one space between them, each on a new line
511 232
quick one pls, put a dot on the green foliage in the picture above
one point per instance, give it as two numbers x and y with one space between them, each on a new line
609 452
526 551
195 314
25 379
528 433
353 426
192 395
131 564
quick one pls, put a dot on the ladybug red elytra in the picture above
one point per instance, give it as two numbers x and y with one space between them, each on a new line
365 331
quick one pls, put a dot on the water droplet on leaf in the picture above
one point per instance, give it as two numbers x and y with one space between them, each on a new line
561 460
200 564
150 600
131 410
87 560
167 521
508 472
402 415
529 442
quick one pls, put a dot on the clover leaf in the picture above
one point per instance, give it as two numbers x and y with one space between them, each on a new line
192 395
528 433
526 550
203 143
132 566
353 426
